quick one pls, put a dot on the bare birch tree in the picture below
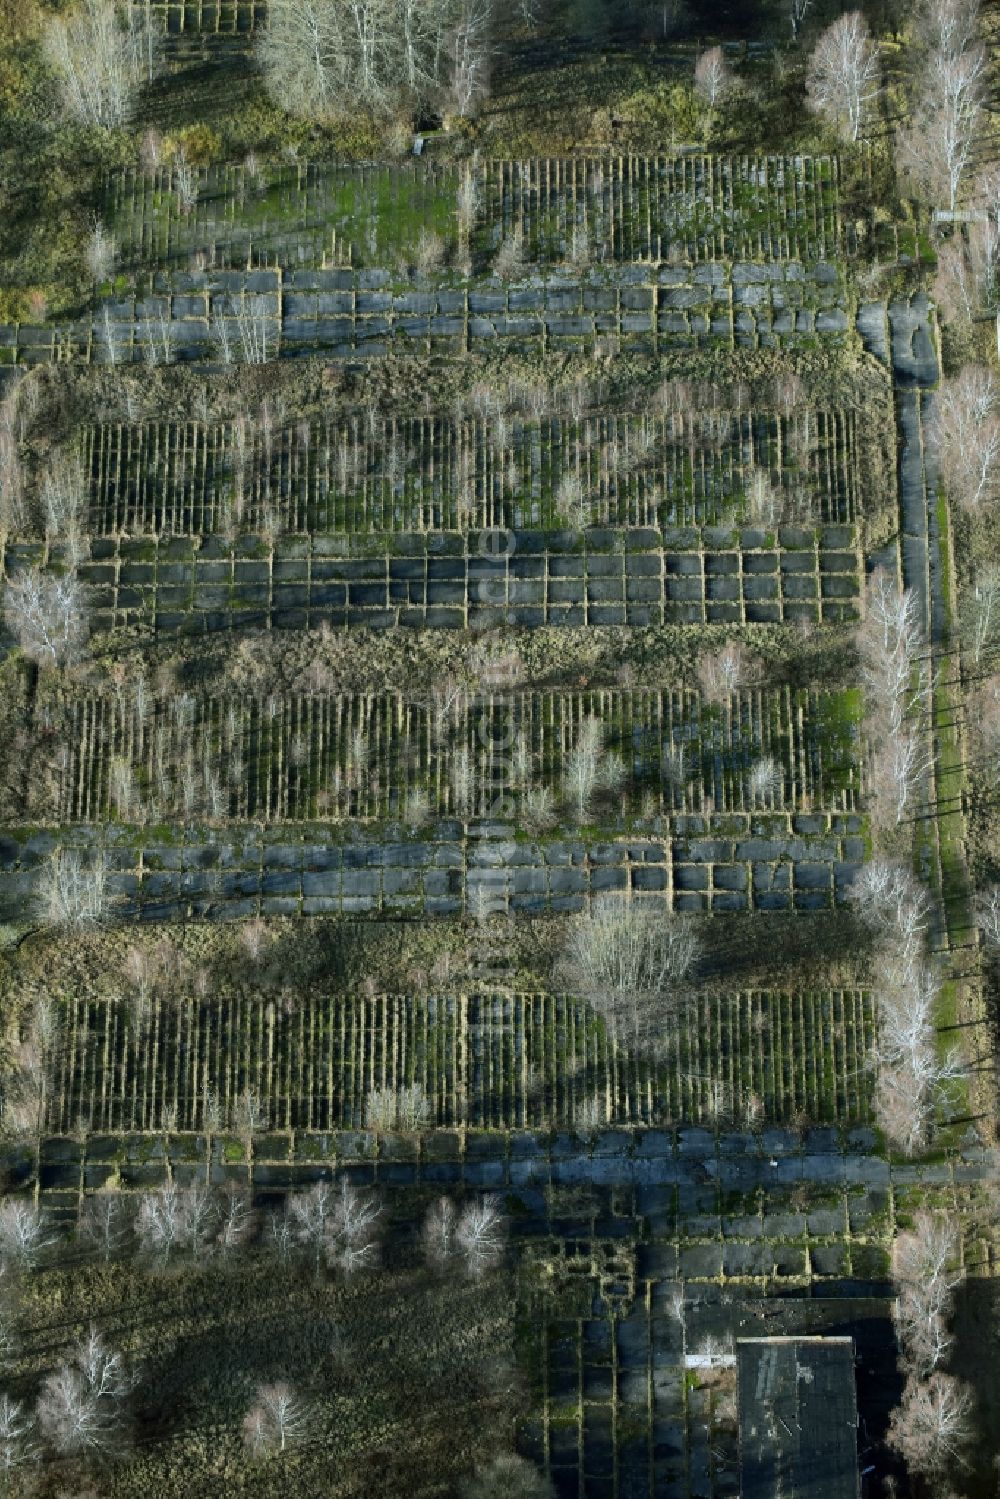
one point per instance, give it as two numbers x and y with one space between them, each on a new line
64 502
352 1229
102 53
471 55
980 614
437 1235
842 81
913 1074
966 434
18 1448
25 1234
176 1218
321 58
936 149
896 681
49 616
927 1271
947 27
82 1405
712 76
235 1220
589 769
932 1426
481 1235
797 11
106 1224
308 1215
723 672
277 1419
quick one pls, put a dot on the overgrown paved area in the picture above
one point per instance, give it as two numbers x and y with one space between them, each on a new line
497 743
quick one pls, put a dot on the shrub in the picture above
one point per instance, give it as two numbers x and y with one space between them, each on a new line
71 892
507 1477
629 960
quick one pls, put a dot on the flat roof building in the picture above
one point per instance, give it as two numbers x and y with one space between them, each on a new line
798 1414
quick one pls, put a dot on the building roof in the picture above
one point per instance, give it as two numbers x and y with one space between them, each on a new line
798 1418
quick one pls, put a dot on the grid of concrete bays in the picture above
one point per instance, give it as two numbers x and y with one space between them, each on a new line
774 862
527 579
351 314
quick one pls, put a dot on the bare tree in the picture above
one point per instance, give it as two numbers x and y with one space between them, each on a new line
49 616
100 253
281 1236
765 501
327 57
966 433
630 961
936 149
102 52
299 54
352 1229
507 1477
173 1218
11 482
843 78
18 1448
891 902
927 1271
897 684
27 1085
72 892
184 182
277 1419
958 290
82 1405
913 1073
893 627
198 1218
308 1215
25 1234
590 768
766 783
405 1108
572 505
797 10
106 1224
471 55
980 613
64 501
947 27
712 76
438 1233
248 1115
988 917
235 1219
722 672
932 1426
481 1235
158 338
257 327
899 766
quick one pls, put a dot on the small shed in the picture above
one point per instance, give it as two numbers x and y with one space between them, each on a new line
798 1415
